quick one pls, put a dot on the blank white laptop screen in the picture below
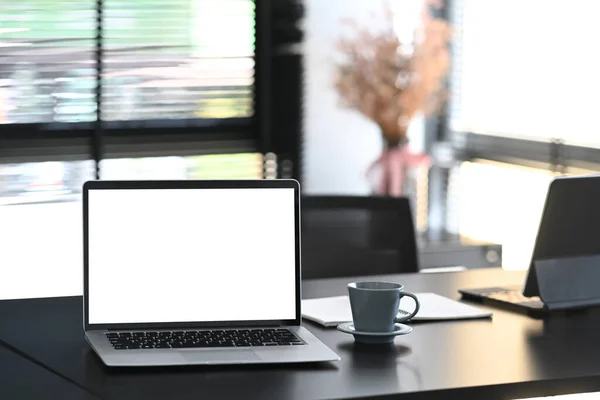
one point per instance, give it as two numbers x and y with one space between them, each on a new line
191 255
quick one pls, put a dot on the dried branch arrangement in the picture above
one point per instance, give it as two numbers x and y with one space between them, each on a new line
390 80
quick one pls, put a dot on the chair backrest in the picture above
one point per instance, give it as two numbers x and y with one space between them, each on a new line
349 236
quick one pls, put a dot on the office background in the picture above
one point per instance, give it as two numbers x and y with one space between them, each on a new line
205 89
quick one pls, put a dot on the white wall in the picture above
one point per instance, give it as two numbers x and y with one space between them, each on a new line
339 144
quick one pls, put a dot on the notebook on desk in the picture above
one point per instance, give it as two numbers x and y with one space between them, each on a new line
332 311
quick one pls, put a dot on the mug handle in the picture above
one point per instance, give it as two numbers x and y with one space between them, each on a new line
417 306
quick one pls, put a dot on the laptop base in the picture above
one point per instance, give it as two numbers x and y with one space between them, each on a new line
313 350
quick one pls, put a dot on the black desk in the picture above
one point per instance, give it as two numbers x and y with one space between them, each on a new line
511 356
23 379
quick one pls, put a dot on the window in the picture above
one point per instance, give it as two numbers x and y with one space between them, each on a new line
522 87
47 53
153 78
167 59
500 203
40 230
525 69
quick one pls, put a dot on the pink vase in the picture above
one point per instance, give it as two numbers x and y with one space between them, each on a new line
389 173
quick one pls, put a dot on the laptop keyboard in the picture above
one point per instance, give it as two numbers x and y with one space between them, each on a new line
202 339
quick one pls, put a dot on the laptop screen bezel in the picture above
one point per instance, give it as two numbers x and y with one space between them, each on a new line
185 185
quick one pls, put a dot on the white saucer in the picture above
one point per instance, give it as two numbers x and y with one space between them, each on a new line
375 337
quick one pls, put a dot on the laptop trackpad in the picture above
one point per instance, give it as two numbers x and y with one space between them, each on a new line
209 356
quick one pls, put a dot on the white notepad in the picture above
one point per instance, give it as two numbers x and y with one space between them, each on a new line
332 311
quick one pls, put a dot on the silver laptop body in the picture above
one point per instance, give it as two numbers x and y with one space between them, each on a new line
195 273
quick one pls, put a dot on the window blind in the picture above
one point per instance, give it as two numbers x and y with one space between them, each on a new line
172 75
47 61
185 59
526 70
177 60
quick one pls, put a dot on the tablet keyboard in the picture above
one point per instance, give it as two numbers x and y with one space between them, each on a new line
509 295
202 339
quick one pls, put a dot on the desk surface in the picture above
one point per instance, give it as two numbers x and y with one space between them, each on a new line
510 356
23 379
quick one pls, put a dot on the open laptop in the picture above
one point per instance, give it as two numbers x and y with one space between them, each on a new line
569 228
194 272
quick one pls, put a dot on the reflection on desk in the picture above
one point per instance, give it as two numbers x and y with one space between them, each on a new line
24 380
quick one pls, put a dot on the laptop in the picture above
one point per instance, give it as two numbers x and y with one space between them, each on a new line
194 272
569 229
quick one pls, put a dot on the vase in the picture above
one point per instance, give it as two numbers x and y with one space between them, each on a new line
400 172
393 172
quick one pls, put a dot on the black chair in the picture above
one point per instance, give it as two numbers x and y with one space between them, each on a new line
349 236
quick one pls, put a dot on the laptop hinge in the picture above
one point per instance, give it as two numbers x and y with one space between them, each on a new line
274 325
